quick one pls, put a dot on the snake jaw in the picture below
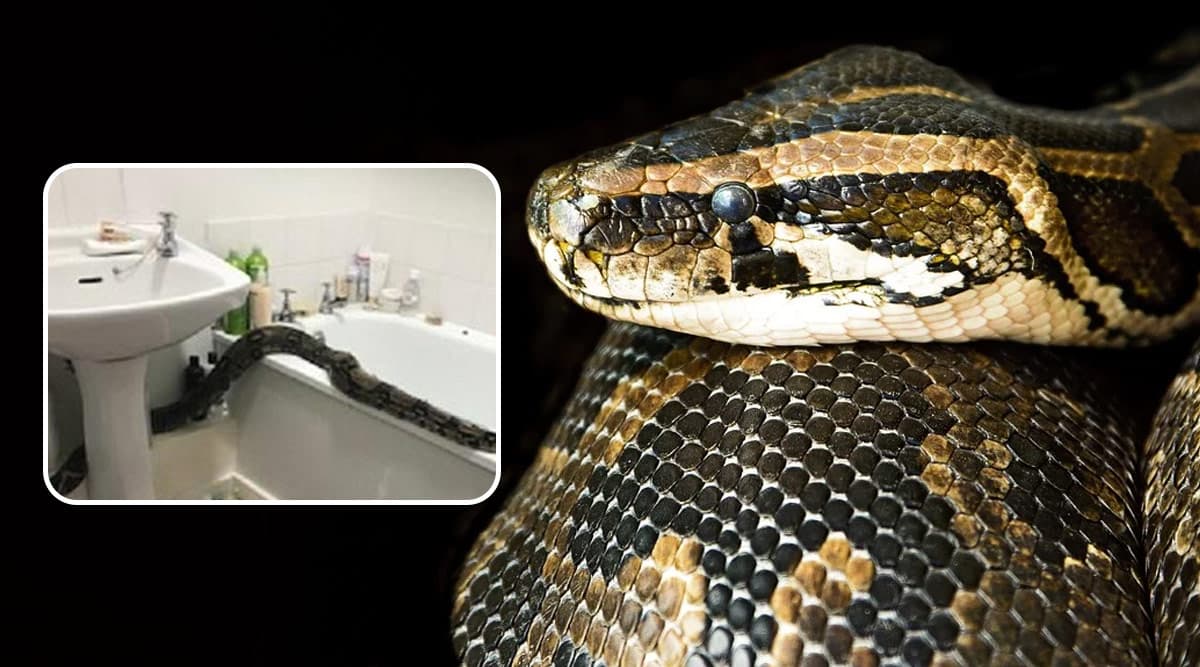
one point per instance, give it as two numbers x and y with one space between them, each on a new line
598 259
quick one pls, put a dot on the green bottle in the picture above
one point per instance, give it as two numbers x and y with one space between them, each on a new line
256 262
237 321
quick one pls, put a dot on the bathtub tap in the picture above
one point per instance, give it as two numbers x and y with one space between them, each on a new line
286 314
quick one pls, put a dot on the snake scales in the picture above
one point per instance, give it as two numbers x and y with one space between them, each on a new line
345 373
721 496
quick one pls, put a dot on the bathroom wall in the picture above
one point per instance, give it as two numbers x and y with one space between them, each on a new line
441 222
309 221
81 196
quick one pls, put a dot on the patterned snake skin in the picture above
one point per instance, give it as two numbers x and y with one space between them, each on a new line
1172 518
345 373
708 503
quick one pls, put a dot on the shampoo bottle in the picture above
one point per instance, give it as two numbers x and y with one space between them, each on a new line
351 280
363 261
256 262
260 301
236 321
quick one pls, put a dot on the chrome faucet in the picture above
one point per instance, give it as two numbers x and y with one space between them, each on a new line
327 300
167 245
286 314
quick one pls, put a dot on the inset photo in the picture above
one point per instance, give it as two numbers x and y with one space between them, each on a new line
271 333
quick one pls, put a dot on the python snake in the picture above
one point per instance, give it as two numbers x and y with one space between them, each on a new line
720 494
345 374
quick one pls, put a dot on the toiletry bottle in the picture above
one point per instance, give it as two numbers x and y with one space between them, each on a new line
380 262
193 377
411 294
363 261
352 282
256 262
260 301
237 320
341 288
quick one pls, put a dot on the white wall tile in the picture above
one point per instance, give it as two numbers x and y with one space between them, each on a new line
271 235
431 291
345 233
457 195
429 245
198 194
468 254
92 194
485 309
222 236
56 204
306 241
293 239
393 235
458 301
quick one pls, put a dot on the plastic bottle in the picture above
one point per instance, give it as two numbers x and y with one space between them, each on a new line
260 301
411 292
352 282
363 261
236 321
193 377
341 288
256 262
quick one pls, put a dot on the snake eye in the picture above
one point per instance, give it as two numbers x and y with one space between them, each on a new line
733 202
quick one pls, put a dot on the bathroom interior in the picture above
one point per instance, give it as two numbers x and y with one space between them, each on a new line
161 279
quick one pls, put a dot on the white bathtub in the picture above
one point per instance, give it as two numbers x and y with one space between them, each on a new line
300 438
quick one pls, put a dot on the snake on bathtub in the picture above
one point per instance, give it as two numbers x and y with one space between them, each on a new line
345 374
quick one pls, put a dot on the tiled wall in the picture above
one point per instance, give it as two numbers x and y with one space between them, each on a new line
456 262
303 250
310 221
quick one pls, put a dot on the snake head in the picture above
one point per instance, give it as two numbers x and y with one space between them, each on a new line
818 209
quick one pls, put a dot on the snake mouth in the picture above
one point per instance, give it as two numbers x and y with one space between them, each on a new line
584 277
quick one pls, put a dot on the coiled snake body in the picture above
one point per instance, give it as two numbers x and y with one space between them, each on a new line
703 501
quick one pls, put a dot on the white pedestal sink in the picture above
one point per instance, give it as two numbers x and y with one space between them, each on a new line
107 324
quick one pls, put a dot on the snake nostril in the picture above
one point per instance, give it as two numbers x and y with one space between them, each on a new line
566 222
548 209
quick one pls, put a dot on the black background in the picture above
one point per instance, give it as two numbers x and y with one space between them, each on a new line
373 586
